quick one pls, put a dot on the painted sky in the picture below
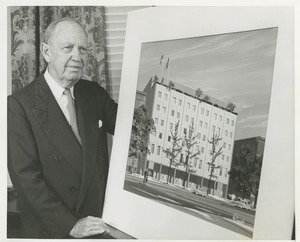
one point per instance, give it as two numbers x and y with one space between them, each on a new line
233 67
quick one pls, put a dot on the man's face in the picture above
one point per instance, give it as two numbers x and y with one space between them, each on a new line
67 54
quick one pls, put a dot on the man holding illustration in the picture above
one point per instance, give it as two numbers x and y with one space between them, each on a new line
57 149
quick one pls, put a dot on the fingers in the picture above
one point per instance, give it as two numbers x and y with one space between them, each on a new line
89 226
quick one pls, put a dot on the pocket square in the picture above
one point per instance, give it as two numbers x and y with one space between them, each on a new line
100 123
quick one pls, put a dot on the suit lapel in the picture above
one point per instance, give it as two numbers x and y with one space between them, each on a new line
54 123
88 129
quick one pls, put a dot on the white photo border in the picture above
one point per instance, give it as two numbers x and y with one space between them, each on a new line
145 219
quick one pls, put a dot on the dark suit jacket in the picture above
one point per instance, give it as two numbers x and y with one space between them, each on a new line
58 180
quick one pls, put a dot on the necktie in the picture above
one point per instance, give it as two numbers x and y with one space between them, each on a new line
71 111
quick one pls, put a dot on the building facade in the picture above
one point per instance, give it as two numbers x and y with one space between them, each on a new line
257 144
167 106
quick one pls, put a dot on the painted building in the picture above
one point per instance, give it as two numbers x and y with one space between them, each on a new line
167 106
255 143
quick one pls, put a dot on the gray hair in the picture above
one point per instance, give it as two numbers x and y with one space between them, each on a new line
50 29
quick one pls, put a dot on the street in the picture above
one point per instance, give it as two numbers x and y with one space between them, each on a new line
217 211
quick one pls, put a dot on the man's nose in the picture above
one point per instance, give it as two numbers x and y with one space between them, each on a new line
76 55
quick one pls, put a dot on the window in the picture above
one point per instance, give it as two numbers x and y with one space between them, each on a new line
199 136
162 122
159 94
227 120
171 125
224 145
202 110
232 123
215 116
201 123
220 117
188 105
223 156
152 148
184 130
174 100
200 164
178 115
214 128
207 113
169 138
172 113
160 135
194 108
158 150
183 143
154 133
157 107
229 147
221 169
186 118
166 96
206 125
202 150
227 158
180 102
181 157
193 120
230 135
226 172
204 137
164 108
195 162
226 133
156 120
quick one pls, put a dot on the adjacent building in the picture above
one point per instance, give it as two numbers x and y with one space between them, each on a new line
169 104
257 144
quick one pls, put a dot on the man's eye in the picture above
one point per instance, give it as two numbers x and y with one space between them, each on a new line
68 48
83 50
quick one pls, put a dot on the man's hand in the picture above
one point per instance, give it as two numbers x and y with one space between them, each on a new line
89 226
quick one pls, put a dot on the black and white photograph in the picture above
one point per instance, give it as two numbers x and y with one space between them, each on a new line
199 125
139 120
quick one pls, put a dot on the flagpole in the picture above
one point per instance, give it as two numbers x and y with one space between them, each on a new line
169 68
162 58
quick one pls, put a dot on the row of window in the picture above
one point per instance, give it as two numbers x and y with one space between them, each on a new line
158 150
193 119
162 122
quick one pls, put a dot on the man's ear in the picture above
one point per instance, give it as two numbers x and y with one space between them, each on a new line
45 50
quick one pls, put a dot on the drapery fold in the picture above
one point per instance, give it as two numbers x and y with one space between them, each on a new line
28 24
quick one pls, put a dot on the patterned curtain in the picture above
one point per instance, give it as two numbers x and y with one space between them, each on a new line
28 25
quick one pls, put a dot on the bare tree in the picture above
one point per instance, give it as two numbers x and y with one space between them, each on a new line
215 152
190 140
206 98
174 150
171 85
198 93
230 107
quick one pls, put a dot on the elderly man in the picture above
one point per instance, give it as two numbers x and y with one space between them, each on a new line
57 155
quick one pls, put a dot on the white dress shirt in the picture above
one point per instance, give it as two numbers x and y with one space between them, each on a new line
58 93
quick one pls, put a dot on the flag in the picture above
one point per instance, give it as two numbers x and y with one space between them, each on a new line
161 59
168 61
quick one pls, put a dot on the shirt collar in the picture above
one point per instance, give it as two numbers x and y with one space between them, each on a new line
55 88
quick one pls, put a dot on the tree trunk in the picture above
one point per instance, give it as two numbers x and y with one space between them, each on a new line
208 187
174 175
169 173
188 179
159 174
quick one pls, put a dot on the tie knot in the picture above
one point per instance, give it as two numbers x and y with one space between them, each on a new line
67 92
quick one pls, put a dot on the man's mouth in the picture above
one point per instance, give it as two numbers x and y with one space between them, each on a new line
75 67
